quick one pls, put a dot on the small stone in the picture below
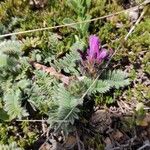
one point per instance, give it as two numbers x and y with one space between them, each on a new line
117 135
133 15
108 143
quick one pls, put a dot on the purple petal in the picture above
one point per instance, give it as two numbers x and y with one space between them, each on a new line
102 55
94 44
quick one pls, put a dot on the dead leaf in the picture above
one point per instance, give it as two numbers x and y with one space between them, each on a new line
53 72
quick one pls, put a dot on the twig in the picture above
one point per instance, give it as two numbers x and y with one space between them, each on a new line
78 141
120 147
37 121
144 146
120 106
71 24
43 127
31 120
126 105
146 108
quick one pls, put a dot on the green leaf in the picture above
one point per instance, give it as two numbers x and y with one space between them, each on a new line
116 78
11 146
99 86
66 111
88 3
13 105
3 60
68 63
3 115
11 47
23 83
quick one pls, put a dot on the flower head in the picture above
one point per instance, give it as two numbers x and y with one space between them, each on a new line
94 53
94 56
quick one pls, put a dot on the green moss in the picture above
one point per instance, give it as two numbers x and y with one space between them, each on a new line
95 142
10 133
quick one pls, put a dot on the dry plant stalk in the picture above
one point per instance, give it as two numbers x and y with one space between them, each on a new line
52 71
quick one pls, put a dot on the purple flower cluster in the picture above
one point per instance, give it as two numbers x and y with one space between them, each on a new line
93 58
94 54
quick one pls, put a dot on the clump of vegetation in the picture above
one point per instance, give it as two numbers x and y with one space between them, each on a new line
59 77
